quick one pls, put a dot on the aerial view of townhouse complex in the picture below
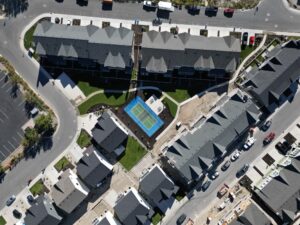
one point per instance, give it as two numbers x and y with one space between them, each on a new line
155 112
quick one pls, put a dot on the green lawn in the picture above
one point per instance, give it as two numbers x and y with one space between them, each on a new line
38 188
171 106
87 88
179 95
112 99
84 139
133 154
2 220
62 164
180 195
246 51
29 37
156 218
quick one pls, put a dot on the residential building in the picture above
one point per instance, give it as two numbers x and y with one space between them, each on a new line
42 212
92 168
276 80
185 55
69 191
106 219
109 134
132 209
280 196
157 188
194 153
252 216
87 46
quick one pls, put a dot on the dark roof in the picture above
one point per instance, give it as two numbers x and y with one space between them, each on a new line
252 216
93 168
157 186
276 74
282 193
42 212
162 51
108 46
194 152
107 133
132 209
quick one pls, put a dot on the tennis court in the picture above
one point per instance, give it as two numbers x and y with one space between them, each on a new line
141 114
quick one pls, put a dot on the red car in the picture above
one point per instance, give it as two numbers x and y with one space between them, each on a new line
229 11
251 40
269 138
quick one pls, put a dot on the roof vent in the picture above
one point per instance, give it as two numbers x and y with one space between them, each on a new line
274 173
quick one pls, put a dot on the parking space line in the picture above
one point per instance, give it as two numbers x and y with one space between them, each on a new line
4 114
9 89
6 149
11 145
15 139
2 78
22 102
5 84
19 135
3 154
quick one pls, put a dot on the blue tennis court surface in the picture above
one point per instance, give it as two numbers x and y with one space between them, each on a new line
143 116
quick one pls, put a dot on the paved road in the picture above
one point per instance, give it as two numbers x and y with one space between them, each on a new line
282 119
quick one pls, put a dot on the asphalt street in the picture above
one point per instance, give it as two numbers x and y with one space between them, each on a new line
281 119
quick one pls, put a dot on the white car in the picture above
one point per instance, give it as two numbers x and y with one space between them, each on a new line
214 175
150 4
248 144
68 22
235 156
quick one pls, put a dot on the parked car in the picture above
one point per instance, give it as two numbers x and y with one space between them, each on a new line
223 190
17 214
211 11
226 165
150 4
69 23
266 125
10 200
228 12
193 9
181 219
269 138
251 40
249 143
30 199
214 175
206 185
242 171
245 39
156 22
235 156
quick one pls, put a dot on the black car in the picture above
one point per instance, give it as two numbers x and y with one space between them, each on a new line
283 147
17 214
193 9
156 22
181 219
245 38
30 199
266 125
211 11
242 171
226 165
206 185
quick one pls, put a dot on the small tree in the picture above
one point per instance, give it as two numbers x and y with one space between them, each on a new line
31 137
44 123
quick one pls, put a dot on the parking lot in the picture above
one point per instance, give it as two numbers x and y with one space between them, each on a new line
13 116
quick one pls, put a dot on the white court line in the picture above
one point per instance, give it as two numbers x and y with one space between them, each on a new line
4 114
4 84
11 145
6 149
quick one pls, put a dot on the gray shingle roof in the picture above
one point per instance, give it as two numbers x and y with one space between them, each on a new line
194 152
131 209
276 74
93 168
110 46
157 186
282 193
69 191
162 51
252 216
42 212
107 133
